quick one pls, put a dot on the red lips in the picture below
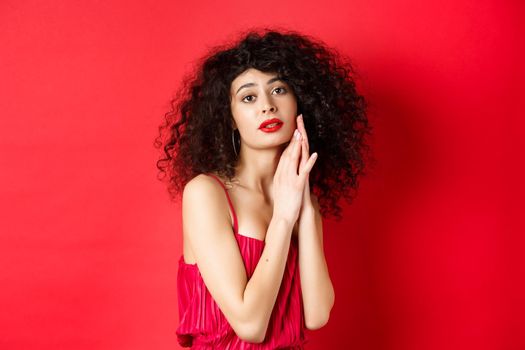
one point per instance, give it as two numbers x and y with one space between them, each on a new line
270 121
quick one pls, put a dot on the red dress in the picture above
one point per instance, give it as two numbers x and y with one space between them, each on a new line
202 325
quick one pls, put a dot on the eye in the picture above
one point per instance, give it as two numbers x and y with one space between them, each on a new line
281 88
245 97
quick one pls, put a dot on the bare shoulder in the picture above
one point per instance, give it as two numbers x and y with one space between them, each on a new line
203 197
202 184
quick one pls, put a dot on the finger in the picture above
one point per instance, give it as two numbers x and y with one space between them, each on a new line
282 166
289 149
300 124
302 129
297 145
290 145
309 164
295 152
304 154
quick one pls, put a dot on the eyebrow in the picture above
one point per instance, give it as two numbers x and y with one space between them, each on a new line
253 84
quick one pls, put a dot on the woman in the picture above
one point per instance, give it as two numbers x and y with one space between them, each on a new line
237 146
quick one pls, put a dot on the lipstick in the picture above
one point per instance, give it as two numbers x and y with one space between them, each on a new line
271 125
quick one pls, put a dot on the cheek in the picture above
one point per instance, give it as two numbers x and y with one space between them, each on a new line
244 125
293 105
240 111
237 115
244 116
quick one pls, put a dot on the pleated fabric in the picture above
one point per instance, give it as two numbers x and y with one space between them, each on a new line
202 325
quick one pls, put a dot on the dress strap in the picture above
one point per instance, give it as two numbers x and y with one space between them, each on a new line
229 202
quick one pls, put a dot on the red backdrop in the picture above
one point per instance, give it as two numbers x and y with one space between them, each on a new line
428 256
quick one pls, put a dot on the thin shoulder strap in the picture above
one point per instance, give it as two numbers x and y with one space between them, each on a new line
229 202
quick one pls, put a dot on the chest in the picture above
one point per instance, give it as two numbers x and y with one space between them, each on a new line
254 214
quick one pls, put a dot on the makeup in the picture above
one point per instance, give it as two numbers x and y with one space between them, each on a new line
271 125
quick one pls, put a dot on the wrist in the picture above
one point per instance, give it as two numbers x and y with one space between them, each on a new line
284 221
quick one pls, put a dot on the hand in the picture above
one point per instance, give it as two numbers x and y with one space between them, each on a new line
288 185
305 154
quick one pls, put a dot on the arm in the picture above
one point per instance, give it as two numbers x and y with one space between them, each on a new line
317 289
247 305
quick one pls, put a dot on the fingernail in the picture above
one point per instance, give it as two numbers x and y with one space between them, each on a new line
297 134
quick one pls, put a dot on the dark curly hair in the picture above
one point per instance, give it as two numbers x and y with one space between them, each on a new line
334 113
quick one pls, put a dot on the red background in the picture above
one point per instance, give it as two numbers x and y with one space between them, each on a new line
430 255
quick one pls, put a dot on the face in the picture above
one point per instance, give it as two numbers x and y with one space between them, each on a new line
256 97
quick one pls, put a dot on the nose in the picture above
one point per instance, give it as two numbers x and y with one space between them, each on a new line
268 106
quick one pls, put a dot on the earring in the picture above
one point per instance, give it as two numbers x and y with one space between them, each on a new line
233 142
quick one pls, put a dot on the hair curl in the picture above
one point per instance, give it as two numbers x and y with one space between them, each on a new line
334 113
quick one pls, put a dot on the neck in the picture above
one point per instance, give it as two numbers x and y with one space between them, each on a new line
256 167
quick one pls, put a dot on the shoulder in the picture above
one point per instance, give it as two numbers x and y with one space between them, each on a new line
203 193
204 211
202 184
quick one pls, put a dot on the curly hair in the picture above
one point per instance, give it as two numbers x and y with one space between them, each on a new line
334 113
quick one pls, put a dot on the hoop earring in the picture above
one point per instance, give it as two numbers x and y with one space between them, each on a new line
233 142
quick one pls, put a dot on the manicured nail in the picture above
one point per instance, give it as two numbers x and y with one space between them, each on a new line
297 134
